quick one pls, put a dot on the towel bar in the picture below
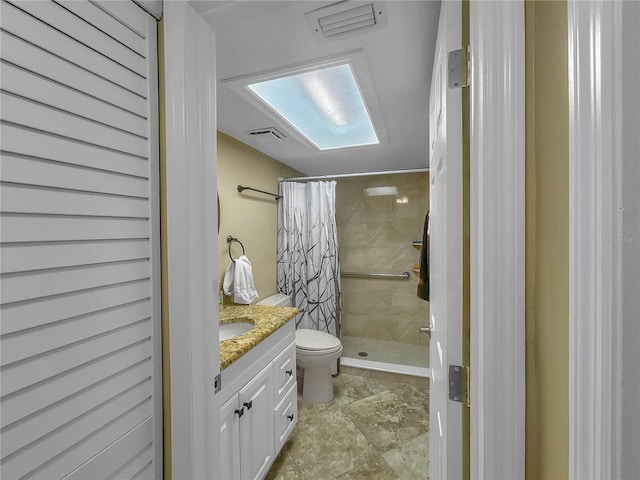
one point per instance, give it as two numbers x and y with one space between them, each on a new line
403 275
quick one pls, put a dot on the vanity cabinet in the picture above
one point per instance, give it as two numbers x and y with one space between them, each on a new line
259 408
247 442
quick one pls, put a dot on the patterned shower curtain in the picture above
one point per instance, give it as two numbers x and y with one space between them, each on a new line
308 267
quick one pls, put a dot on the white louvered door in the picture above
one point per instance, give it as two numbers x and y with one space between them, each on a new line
80 375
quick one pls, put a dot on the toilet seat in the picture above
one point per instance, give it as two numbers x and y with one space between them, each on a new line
311 353
310 341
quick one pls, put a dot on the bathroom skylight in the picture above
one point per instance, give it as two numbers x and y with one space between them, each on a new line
325 105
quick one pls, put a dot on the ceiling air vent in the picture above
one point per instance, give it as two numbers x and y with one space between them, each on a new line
346 18
266 135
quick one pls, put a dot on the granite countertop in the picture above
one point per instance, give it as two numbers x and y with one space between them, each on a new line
266 320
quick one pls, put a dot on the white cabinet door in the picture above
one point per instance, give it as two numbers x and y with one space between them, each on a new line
256 425
230 439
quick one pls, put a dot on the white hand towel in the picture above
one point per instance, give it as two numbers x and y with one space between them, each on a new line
227 285
238 279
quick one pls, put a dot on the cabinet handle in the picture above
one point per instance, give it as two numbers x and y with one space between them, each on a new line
290 417
289 372
239 411
248 404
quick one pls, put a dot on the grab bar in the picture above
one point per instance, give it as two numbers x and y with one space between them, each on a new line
403 275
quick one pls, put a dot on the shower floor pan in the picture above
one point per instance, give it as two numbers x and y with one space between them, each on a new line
385 356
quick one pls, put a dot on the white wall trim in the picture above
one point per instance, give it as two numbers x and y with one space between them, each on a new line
595 87
192 240
497 239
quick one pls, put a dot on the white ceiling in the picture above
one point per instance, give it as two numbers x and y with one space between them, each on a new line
255 36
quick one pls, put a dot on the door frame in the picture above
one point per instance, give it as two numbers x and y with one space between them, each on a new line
601 444
192 239
497 210
497 227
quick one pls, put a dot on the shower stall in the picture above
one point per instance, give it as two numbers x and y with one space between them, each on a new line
380 223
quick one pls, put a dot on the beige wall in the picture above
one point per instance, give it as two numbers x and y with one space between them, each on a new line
251 217
375 234
547 237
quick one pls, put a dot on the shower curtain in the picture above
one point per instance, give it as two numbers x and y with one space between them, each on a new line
308 267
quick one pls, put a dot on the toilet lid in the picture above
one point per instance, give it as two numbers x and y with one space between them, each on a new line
315 340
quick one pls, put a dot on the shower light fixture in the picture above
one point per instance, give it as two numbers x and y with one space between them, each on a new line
380 191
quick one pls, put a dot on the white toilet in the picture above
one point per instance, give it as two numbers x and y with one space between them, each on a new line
315 353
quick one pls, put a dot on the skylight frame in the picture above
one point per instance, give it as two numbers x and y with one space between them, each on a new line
357 62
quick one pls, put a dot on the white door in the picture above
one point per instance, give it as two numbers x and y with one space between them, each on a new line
80 333
445 126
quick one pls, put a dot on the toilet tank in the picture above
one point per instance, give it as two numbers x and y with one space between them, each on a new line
277 300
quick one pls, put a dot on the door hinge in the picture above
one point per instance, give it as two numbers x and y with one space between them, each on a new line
458 68
459 384
468 392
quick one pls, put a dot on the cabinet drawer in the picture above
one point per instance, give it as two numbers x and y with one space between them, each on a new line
286 416
284 372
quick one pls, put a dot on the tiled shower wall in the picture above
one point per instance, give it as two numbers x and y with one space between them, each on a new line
375 235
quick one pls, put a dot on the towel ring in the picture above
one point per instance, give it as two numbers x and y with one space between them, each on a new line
230 241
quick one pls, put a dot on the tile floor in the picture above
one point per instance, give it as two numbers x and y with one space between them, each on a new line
376 427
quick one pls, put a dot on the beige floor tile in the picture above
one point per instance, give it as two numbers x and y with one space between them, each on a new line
411 460
387 420
345 439
353 371
414 395
373 467
283 468
348 388
307 411
328 445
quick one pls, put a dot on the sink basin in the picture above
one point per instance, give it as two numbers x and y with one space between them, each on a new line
230 330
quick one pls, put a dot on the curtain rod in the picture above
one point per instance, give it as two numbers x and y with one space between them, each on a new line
347 175
242 189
